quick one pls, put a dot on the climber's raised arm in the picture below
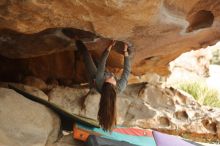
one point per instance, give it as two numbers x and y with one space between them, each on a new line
122 82
102 63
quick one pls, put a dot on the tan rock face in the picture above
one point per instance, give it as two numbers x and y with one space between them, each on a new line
31 90
148 106
190 66
31 44
23 121
158 30
35 82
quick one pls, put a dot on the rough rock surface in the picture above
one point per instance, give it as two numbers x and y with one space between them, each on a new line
35 82
31 90
31 44
149 106
69 99
190 66
25 123
159 30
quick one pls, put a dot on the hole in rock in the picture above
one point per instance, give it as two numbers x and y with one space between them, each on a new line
164 121
201 19
209 125
181 115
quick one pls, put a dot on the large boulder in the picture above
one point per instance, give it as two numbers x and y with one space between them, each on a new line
190 66
25 123
159 31
148 106
29 89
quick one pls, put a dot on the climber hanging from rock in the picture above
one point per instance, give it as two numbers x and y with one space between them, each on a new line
103 81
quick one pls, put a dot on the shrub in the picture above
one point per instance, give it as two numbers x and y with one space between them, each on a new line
201 92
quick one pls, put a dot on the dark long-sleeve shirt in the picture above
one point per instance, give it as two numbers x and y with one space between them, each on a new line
102 74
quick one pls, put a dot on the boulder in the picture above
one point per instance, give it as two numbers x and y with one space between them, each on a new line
158 31
32 90
35 82
25 123
190 66
148 106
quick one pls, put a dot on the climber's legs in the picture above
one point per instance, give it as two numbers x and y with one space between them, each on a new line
88 61
90 69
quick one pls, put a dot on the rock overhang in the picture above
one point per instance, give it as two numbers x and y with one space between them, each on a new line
158 30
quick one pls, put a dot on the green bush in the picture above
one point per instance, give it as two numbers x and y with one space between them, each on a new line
201 92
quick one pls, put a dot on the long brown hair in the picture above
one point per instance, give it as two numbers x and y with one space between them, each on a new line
107 107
